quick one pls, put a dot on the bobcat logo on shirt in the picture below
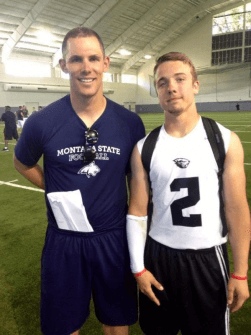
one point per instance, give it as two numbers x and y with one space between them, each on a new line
90 170
181 162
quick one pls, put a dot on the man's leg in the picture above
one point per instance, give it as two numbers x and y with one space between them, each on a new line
114 290
6 147
118 330
65 283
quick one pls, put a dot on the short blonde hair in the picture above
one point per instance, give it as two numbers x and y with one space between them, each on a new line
81 32
172 56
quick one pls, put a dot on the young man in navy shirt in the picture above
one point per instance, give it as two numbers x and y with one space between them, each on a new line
86 141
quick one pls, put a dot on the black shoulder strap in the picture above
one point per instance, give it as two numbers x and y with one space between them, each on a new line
146 156
148 148
216 141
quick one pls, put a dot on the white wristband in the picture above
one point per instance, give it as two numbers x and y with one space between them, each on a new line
136 237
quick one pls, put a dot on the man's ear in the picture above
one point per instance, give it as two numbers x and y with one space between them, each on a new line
196 86
106 63
63 66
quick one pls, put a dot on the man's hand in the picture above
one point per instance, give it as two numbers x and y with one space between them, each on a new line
238 293
145 282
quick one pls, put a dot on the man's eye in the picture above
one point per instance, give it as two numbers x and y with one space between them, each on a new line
180 79
75 59
93 59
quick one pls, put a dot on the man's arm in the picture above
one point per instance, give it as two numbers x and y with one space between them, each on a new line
139 195
238 221
33 173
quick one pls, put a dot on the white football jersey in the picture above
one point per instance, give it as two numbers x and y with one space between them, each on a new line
185 186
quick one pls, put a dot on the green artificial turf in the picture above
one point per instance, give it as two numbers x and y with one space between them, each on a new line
22 233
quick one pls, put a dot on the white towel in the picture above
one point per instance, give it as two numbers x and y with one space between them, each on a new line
69 211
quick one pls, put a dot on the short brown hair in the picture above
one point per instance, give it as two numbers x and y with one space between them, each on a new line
172 56
81 32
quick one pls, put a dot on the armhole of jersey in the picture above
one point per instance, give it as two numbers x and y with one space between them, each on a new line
140 144
226 135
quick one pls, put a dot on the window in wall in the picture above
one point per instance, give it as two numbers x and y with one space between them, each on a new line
65 75
227 41
248 16
23 68
228 32
129 79
247 55
107 77
229 21
153 92
227 57
248 37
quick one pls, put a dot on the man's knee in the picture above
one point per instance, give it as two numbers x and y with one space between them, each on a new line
117 330
75 333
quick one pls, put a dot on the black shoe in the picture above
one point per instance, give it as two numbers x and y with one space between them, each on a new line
5 149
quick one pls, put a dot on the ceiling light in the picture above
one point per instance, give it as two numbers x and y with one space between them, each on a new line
44 35
124 52
147 56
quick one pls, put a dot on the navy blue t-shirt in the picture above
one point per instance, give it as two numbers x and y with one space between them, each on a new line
58 134
9 118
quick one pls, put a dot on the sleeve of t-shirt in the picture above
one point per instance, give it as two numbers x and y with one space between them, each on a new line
29 147
139 132
141 143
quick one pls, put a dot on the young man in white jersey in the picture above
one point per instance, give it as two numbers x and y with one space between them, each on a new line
182 271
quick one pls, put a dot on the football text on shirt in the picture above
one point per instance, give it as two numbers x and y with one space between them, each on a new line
76 153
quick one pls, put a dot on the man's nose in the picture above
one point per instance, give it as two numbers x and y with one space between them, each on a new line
171 86
85 67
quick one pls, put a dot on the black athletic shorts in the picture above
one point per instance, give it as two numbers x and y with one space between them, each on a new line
77 266
10 132
194 299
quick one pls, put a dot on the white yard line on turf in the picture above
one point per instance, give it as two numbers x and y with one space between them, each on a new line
12 181
20 186
9 143
247 163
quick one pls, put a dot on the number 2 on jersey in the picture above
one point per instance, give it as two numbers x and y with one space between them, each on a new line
192 185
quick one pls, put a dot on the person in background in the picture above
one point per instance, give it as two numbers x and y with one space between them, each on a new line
184 277
86 141
10 129
25 112
25 115
39 109
20 116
